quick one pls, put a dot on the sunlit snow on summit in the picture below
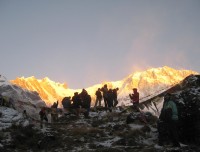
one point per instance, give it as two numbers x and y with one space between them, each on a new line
147 82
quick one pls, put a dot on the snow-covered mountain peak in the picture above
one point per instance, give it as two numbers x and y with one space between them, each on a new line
47 80
31 78
148 82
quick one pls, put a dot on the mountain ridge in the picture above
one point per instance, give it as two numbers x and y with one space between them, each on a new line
147 82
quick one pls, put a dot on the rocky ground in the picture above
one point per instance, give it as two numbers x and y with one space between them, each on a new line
101 132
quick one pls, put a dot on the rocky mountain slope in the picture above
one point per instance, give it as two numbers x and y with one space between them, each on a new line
187 98
148 82
21 99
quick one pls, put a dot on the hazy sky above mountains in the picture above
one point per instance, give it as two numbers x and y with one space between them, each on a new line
84 42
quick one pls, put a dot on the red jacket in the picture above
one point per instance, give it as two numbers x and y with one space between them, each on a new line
135 98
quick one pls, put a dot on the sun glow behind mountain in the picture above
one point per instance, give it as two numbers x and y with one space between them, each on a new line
147 82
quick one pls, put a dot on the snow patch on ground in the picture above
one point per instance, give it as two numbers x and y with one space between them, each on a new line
9 116
135 126
158 147
108 143
1 146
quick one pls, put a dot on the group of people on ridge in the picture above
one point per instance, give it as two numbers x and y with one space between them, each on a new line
108 95
78 103
81 102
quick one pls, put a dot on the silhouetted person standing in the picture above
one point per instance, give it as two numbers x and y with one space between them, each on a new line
135 96
135 99
104 89
169 116
76 103
110 99
98 97
43 116
86 103
115 96
54 114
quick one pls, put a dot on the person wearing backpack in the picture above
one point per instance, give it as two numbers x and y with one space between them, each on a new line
169 119
86 104
77 103
67 105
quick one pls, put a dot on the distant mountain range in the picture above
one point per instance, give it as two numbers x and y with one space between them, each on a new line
148 82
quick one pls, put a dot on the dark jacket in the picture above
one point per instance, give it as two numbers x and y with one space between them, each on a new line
66 102
86 101
110 98
98 94
115 93
105 92
76 101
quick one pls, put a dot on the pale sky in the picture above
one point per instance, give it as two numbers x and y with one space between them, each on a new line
85 42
